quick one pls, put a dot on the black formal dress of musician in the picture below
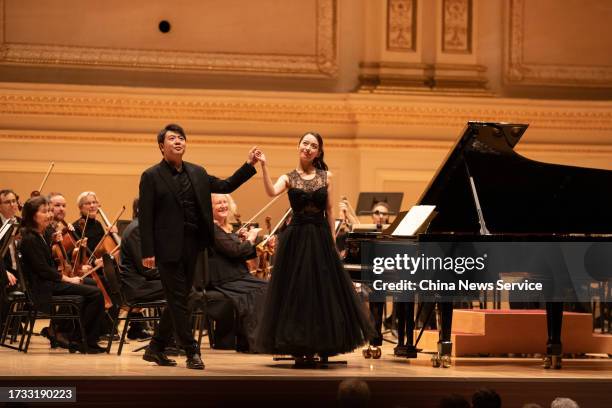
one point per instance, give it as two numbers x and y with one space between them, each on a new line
311 306
229 275
46 281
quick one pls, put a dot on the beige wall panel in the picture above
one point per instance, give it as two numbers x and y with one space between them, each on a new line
412 191
559 43
271 37
229 26
571 32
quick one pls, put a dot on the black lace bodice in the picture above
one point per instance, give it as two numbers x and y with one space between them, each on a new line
308 196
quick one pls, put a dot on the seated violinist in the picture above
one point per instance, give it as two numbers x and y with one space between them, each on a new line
229 273
45 279
94 231
8 211
57 205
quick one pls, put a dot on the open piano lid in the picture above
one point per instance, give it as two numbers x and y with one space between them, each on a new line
516 194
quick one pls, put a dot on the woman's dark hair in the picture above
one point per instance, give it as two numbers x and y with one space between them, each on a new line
135 208
318 162
28 213
172 127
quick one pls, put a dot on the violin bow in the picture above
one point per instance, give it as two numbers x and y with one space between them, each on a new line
250 221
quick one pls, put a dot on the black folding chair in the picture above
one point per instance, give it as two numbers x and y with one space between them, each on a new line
111 272
66 307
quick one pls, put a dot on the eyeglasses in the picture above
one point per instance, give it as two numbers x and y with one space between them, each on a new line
13 201
383 213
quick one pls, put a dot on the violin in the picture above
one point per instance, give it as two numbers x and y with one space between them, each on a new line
265 253
80 258
60 255
111 240
266 248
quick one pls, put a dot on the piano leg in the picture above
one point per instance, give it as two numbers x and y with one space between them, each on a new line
444 319
374 350
405 330
554 320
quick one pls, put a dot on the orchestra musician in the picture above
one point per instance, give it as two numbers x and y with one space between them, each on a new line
228 272
60 331
87 226
380 217
175 220
47 281
9 209
138 283
8 265
89 205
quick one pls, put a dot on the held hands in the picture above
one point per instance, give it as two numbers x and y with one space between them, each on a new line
256 155
148 262
261 157
251 158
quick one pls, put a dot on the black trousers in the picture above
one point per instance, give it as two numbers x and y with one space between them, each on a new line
92 311
177 280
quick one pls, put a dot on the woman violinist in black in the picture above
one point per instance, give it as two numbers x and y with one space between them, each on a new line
46 281
229 273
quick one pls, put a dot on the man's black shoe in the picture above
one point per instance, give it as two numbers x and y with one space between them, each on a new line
195 362
158 358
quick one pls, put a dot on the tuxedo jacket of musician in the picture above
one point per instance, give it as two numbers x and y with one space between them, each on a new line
163 215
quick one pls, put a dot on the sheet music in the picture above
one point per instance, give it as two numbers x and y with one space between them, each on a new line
415 220
4 229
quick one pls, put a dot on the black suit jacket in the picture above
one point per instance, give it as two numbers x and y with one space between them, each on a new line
160 212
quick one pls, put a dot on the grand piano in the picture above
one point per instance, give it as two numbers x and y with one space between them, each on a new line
486 192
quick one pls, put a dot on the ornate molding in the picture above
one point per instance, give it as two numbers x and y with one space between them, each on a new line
323 64
457 26
171 108
520 72
23 105
401 25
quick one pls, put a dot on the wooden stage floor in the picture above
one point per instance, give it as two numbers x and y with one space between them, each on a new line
231 379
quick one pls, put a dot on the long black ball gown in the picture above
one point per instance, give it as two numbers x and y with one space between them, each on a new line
311 306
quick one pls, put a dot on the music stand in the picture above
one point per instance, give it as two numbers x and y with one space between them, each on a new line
366 202
6 233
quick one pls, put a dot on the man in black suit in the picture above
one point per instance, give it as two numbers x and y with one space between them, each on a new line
175 216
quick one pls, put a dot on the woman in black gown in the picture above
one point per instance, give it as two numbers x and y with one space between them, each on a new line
311 305
229 273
